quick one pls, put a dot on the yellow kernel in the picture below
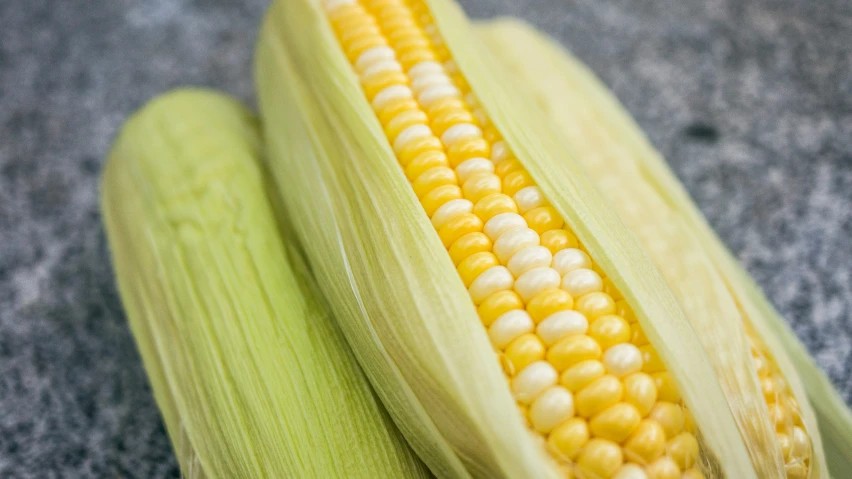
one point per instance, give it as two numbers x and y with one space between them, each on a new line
548 302
497 304
416 147
459 226
610 289
425 162
437 197
493 205
507 166
797 470
557 240
413 57
683 449
543 218
571 350
431 179
693 473
402 121
600 458
625 311
595 304
638 335
667 389
640 391
460 151
361 45
491 134
651 362
568 438
474 265
468 245
394 108
663 468
670 417
688 422
515 181
646 443
382 80
480 186
609 330
616 422
582 374
597 396
525 350
444 105
449 118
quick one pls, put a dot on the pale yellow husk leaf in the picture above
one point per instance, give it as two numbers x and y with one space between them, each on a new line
616 153
252 376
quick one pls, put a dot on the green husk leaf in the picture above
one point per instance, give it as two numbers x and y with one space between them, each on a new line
385 273
569 190
251 375
582 106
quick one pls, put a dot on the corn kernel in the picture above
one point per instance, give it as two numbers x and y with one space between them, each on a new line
640 391
597 396
670 417
549 302
498 304
458 227
594 305
474 265
571 350
683 449
557 240
551 408
651 362
492 205
663 468
568 438
582 374
524 350
616 423
667 389
468 245
609 330
600 458
479 186
646 443
544 218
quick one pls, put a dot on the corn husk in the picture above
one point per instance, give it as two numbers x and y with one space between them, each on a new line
389 280
251 375
659 211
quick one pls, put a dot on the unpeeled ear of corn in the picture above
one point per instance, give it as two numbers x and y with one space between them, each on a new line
655 206
511 323
252 377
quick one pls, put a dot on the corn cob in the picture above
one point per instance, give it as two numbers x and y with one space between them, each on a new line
617 155
251 375
437 222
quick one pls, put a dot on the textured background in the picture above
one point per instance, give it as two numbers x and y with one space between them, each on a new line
752 105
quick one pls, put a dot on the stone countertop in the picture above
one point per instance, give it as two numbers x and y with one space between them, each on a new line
751 102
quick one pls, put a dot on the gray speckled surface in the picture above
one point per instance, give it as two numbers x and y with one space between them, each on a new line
752 105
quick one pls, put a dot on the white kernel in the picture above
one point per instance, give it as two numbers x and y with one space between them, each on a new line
503 222
551 408
425 68
435 93
561 324
473 166
801 446
389 94
513 241
533 380
492 280
374 55
460 131
509 326
529 258
425 81
570 259
622 359
409 134
581 281
499 151
528 198
630 471
379 68
450 210
535 281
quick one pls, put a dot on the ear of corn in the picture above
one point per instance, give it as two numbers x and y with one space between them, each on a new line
659 211
362 171
252 376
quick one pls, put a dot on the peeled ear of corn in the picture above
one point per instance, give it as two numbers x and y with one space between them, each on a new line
655 206
508 319
251 375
